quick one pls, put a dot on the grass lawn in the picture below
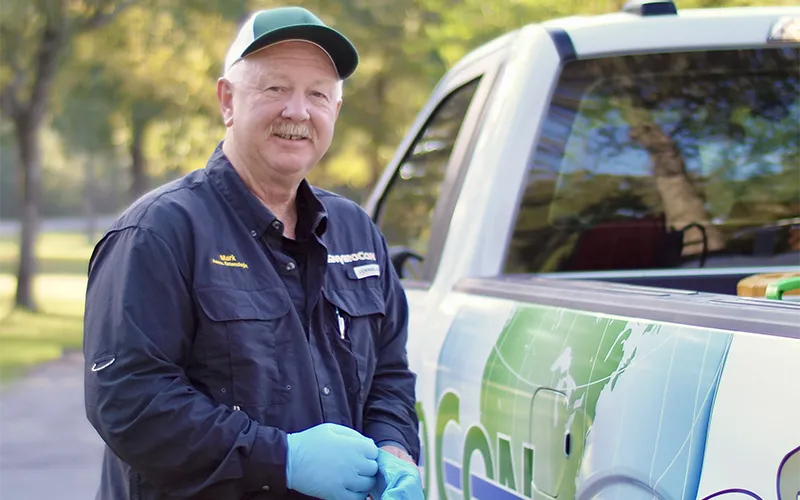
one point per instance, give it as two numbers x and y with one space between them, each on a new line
25 338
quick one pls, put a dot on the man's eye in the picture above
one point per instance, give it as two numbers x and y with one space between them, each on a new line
319 95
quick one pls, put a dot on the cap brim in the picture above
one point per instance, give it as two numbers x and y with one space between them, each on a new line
341 51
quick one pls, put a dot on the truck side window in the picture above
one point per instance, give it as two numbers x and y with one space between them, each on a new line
677 160
406 212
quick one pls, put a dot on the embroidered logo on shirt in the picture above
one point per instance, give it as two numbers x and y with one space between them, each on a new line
228 261
367 271
351 257
103 363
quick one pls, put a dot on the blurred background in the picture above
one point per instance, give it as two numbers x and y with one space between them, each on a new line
102 100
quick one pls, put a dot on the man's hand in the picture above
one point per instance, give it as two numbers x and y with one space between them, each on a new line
401 454
331 461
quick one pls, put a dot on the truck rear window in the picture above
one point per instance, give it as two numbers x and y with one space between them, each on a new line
666 161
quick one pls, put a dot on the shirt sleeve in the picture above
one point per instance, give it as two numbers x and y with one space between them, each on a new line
138 330
390 411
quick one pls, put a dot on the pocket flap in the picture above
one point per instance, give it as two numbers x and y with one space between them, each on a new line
230 304
361 301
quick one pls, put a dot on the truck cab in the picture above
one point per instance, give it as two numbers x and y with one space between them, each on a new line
570 215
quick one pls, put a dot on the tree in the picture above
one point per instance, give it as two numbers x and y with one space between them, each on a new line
159 82
399 65
83 121
34 37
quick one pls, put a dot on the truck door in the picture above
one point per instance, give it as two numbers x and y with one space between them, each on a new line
414 201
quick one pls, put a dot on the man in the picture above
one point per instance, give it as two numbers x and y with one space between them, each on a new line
244 332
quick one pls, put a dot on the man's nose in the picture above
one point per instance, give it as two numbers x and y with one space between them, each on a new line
296 107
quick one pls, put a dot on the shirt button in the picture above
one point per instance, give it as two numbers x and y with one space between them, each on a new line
265 488
326 390
253 233
277 225
290 266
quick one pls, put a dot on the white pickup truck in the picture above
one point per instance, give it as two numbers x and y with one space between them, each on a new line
571 213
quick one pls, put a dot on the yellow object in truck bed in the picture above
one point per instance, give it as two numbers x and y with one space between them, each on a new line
756 285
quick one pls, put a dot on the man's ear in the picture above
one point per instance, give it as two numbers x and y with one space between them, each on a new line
338 108
225 98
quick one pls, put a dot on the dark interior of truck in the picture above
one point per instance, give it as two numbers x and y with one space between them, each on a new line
648 243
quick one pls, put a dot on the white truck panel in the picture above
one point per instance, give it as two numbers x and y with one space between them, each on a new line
755 421
690 29
508 132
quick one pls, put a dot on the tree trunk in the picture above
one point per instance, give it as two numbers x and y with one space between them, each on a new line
683 205
30 166
139 181
27 121
88 200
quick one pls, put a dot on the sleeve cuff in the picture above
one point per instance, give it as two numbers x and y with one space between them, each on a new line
266 468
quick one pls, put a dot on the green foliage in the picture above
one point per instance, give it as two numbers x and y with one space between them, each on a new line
154 68
154 71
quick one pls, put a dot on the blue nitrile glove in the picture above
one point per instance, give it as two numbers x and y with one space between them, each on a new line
331 462
397 479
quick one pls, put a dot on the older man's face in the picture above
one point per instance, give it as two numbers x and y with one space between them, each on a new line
283 107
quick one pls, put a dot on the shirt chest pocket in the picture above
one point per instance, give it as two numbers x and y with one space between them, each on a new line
252 328
356 318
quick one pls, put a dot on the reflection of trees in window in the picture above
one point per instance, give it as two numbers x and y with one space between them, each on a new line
406 214
655 143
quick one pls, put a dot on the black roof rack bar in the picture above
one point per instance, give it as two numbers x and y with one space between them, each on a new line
650 8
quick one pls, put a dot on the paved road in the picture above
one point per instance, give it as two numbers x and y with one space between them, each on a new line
47 447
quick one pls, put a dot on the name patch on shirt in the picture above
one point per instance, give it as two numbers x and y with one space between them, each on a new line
350 257
367 271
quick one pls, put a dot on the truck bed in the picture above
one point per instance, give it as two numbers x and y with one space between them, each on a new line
707 310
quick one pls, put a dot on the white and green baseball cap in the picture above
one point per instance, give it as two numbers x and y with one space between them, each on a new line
271 26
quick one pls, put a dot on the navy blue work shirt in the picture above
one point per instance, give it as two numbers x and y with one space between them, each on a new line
209 336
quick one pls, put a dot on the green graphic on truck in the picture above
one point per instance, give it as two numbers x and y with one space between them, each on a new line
567 400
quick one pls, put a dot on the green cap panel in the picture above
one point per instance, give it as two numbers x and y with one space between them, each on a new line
296 23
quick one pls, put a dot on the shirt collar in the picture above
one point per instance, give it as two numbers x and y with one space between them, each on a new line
311 213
